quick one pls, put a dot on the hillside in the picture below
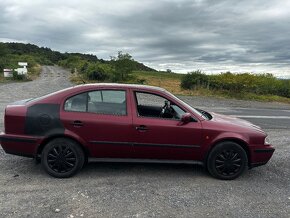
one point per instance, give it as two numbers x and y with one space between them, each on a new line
124 69
11 53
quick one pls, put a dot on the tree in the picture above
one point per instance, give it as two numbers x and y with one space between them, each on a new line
124 65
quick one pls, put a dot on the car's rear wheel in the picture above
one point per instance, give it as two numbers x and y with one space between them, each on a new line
227 160
62 158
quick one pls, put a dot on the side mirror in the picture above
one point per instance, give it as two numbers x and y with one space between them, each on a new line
186 118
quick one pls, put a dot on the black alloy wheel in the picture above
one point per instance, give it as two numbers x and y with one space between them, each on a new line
227 160
62 158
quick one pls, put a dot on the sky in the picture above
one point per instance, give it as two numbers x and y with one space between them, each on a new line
181 35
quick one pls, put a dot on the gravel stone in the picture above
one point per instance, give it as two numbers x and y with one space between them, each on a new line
141 190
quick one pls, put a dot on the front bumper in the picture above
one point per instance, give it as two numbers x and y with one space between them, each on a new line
260 155
19 145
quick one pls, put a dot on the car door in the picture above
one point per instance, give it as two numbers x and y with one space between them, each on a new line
157 137
103 120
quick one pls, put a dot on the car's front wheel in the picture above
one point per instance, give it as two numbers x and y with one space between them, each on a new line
62 158
227 160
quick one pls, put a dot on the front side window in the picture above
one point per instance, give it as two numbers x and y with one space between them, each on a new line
111 102
151 105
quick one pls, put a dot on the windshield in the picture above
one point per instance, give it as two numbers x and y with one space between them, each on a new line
193 110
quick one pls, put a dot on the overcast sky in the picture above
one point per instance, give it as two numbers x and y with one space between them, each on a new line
183 35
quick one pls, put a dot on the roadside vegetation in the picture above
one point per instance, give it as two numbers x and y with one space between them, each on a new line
12 53
263 87
86 66
174 83
122 68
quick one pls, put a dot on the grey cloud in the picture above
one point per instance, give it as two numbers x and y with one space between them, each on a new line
183 35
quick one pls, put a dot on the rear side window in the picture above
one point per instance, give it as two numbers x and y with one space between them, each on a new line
77 103
111 102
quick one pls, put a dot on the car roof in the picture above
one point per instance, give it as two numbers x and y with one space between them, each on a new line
119 85
86 87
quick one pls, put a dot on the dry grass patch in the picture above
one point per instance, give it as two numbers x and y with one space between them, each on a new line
171 82
34 72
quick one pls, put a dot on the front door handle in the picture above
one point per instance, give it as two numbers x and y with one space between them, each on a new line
141 128
77 123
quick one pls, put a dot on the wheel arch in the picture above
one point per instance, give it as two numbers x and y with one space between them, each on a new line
238 141
52 137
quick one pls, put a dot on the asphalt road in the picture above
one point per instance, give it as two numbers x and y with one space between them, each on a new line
265 115
148 190
266 118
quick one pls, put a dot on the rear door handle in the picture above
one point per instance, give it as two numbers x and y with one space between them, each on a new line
77 123
141 128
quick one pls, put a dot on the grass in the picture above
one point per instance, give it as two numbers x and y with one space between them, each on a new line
171 82
33 73
78 79
5 80
168 81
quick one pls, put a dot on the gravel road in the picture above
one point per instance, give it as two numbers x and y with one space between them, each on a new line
52 78
144 190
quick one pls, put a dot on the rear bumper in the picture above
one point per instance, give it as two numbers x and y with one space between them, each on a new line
260 155
19 145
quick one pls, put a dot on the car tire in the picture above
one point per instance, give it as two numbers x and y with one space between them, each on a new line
62 158
227 161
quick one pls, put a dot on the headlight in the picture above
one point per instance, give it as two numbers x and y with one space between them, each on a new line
267 141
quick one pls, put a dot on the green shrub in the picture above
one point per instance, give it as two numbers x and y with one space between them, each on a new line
141 81
96 73
194 80
16 76
237 84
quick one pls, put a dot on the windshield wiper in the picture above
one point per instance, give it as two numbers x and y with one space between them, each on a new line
205 113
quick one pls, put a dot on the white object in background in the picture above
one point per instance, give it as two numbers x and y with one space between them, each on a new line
23 64
21 71
8 72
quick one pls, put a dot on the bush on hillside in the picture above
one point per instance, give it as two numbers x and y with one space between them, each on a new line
261 84
194 80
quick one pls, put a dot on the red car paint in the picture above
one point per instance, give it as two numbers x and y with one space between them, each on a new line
130 136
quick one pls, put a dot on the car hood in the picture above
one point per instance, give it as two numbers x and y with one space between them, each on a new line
234 122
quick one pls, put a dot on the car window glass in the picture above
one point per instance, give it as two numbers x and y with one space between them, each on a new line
95 96
151 105
114 96
107 102
179 112
77 103
111 102
149 99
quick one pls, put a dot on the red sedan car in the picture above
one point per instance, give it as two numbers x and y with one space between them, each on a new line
117 122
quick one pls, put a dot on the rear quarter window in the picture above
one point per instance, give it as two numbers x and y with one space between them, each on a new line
76 103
